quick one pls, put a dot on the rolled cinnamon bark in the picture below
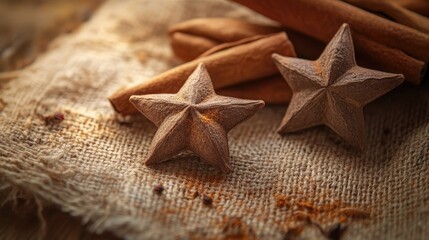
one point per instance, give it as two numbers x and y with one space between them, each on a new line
222 29
188 46
272 90
395 12
199 38
388 59
253 59
199 35
322 18
418 6
369 53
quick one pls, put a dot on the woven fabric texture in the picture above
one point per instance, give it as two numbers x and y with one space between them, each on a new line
91 164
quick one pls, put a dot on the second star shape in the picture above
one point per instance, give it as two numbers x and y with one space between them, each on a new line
194 119
332 90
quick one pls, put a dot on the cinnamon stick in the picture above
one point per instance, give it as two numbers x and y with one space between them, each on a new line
418 6
372 54
253 59
199 38
191 38
369 53
395 12
321 18
223 29
272 90
188 46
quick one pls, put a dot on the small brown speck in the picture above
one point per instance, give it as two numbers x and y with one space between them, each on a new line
282 201
55 118
208 201
158 189
335 231
2 104
195 194
343 219
59 116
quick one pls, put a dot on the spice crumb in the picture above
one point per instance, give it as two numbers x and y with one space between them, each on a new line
282 201
208 201
343 219
59 116
335 231
2 104
158 189
195 194
55 118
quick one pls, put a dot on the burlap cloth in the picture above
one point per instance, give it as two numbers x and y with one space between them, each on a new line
90 165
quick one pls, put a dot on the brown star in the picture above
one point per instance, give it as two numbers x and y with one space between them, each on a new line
332 90
194 119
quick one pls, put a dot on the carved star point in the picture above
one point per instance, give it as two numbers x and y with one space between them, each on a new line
195 119
332 90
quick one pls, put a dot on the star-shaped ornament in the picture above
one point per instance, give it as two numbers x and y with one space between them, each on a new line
194 119
332 90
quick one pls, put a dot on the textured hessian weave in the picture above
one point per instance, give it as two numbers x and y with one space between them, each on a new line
90 165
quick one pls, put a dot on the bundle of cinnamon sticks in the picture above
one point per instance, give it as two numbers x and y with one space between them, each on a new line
390 46
229 64
237 53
